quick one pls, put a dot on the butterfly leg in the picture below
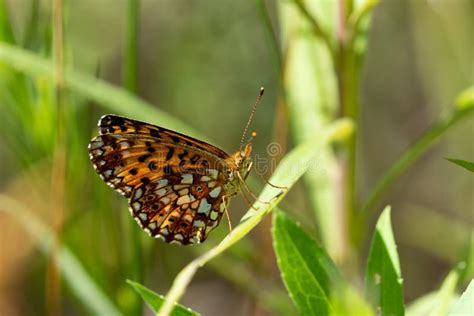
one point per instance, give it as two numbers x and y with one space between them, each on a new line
224 202
250 191
269 183
247 202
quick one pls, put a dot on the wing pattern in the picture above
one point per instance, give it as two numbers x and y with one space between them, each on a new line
175 184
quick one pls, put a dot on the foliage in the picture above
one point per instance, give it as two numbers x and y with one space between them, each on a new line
49 109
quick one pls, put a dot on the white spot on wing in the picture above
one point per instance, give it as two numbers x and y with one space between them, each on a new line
138 193
213 173
215 193
162 183
214 215
187 178
204 207
185 199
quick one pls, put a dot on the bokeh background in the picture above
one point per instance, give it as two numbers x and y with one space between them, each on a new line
203 63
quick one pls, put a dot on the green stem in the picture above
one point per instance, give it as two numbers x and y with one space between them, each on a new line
130 61
276 51
464 105
317 29
130 71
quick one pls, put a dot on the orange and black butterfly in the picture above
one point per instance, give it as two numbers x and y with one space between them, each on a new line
177 187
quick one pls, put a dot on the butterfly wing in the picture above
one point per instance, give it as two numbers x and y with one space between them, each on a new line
114 124
182 208
175 183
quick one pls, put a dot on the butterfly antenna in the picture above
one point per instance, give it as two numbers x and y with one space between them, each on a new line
257 101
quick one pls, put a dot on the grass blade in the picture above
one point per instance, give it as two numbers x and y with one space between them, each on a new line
463 106
463 163
80 283
114 99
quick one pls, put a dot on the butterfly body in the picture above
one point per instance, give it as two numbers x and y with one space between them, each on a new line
178 187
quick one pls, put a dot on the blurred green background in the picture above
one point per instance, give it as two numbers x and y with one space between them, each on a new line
203 62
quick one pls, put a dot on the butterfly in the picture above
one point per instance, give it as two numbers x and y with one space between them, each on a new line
177 187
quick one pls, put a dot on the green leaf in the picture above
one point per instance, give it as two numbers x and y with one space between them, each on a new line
463 163
310 276
465 305
306 269
155 300
383 278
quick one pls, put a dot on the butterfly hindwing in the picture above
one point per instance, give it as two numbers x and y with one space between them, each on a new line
182 208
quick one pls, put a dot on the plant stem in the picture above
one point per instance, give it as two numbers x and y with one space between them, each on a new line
130 77
276 51
347 83
464 105
317 29
58 173
130 58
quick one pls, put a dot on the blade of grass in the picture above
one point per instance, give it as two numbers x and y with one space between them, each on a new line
130 77
109 96
463 106
58 172
468 165
291 168
6 32
80 283
130 62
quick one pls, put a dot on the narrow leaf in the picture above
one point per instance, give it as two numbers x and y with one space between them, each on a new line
463 163
77 278
383 279
155 301
465 305
438 303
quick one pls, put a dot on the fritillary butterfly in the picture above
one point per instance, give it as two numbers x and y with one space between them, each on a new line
177 187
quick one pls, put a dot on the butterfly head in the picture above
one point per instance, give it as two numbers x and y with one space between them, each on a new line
243 160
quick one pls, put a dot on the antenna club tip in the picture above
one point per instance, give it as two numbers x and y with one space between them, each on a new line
254 134
262 90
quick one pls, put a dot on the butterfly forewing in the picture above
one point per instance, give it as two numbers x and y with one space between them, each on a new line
175 183
113 124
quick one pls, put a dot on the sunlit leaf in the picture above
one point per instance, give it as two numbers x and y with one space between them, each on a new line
383 279
465 305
